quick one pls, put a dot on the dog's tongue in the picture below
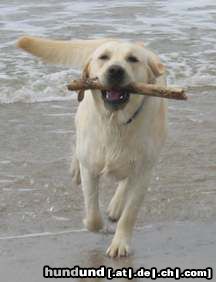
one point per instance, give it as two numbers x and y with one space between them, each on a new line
113 95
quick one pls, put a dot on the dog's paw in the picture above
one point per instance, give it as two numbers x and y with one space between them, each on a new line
114 210
118 248
93 224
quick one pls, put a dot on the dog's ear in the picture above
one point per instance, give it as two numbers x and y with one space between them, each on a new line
84 76
86 70
155 64
73 53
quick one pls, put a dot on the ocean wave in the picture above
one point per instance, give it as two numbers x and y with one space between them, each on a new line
183 34
46 88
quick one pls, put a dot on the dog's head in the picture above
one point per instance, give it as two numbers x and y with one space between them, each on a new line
114 62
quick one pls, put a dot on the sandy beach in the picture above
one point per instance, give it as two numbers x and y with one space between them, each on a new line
186 245
42 210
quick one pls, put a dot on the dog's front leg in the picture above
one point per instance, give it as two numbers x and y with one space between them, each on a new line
136 189
93 220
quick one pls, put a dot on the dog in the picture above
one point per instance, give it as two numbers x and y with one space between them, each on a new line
117 133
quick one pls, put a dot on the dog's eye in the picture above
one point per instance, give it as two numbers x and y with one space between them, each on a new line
104 57
132 59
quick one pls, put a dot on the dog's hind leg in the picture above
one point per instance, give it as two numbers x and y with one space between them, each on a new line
117 202
93 220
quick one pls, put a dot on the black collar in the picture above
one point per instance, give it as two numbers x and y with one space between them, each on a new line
135 114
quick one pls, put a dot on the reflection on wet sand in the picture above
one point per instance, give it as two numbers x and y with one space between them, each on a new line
96 259
185 245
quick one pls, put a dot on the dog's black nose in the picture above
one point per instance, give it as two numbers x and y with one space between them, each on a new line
116 74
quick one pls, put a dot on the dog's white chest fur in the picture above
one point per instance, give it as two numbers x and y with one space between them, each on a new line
108 147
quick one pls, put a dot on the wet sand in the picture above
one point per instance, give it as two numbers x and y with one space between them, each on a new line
37 193
39 202
186 245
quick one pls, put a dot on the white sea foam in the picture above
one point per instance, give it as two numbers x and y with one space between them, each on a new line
183 33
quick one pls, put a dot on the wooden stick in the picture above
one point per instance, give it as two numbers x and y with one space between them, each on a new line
134 88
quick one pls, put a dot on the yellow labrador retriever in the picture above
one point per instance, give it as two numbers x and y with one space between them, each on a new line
118 133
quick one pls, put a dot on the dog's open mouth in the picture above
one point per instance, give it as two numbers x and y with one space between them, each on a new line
115 97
